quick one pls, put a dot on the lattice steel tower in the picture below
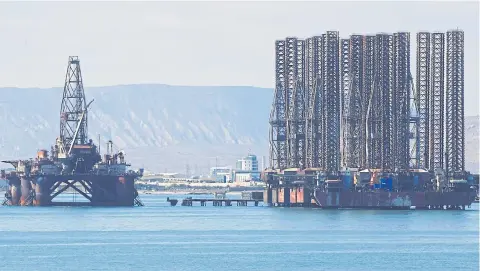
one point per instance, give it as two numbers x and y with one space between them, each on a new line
331 90
423 100
344 100
401 100
437 105
314 102
354 101
455 133
380 151
372 108
278 115
296 121
73 105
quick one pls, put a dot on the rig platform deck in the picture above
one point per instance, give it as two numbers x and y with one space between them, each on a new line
366 190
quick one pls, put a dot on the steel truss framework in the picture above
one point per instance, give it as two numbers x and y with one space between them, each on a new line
376 109
437 105
430 98
423 89
73 105
305 116
401 100
455 133
371 118
90 189
345 95
296 121
380 144
349 102
314 102
278 116
354 102
331 90
440 115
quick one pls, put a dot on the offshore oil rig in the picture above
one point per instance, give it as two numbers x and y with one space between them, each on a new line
350 129
74 161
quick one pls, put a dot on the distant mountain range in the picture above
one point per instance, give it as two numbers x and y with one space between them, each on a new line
160 127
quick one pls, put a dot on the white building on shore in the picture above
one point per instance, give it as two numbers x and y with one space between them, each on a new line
246 169
221 174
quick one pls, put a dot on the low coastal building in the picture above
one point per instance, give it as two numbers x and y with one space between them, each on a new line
246 169
221 174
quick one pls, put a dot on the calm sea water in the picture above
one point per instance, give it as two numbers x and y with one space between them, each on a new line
160 237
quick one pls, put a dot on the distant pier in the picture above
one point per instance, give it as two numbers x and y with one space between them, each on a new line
218 202
252 198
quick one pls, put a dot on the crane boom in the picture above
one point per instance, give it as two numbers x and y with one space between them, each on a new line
78 126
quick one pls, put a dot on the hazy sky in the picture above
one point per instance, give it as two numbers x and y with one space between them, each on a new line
195 43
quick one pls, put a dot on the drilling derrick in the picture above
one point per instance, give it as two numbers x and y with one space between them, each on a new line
423 88
278 116
73 106
455 133
73 148
436 102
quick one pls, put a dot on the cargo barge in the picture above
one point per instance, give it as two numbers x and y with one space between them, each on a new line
367 189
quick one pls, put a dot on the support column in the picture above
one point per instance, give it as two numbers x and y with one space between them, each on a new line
42 192
15 190
26 189
124 191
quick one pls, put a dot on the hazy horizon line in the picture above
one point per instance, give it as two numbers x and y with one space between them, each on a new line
139 84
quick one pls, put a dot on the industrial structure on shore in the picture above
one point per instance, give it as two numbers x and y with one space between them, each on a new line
74 162
350 128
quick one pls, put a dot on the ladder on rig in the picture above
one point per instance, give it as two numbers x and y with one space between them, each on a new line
8 199
137 201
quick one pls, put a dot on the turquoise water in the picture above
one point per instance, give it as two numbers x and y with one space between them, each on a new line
160 237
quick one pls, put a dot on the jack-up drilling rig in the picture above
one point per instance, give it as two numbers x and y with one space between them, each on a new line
74 162
348 129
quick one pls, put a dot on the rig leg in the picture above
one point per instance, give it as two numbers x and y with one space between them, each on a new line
26 191
42 192
15 191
